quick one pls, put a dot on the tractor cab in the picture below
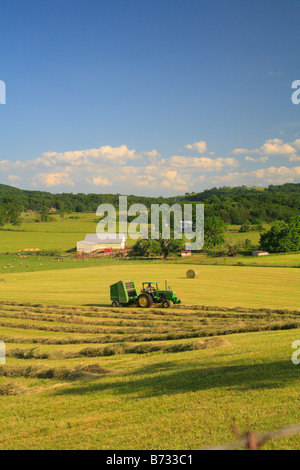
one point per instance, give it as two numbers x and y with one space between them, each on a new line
150 286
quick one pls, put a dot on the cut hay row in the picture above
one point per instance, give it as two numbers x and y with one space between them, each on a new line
73 328
98 311
81 320
144 318
116 349
163 326
207 331
59 343
61 373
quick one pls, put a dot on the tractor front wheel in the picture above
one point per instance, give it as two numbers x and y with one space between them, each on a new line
166 304
145 301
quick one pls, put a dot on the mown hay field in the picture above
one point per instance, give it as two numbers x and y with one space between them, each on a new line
228 286
82 375
97 378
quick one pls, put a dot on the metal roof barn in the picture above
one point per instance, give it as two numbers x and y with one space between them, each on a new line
101 241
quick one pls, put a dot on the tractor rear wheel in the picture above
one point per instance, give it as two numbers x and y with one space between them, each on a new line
166 304
145 300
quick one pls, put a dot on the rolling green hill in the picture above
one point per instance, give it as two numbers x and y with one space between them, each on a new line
5 189
233 205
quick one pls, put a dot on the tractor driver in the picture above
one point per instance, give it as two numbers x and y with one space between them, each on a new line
150 288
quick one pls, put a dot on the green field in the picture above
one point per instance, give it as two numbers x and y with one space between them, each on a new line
63 235
229 286
82 375
53 235
94 378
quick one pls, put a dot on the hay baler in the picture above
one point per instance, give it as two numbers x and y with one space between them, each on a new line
125 293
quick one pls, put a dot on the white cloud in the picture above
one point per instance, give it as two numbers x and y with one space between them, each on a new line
199 147
260 177
296 144
8 165
126 171
99 181
52 179
282 174
239 151
259 159
146 180
276 147
14 178
203 163
273 148
153 154
119 155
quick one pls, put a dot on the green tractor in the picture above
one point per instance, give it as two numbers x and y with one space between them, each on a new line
151 294
125 293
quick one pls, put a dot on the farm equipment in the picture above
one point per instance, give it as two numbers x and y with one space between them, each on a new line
125 293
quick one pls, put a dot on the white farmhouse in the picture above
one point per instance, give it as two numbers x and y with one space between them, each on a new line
260 253
101 241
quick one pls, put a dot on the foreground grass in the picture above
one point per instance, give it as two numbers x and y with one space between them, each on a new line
58 398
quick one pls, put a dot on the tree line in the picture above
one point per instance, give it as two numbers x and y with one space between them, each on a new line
236 206
277 205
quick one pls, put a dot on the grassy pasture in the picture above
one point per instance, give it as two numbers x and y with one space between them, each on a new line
81 375
216 285
288 260
63 235
25 262
90 378
12 241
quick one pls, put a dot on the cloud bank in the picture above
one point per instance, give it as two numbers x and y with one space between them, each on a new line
123 170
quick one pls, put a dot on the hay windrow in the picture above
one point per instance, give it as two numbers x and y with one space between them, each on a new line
12 388
50 332
61 373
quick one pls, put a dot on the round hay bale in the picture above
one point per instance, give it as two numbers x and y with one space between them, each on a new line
191 274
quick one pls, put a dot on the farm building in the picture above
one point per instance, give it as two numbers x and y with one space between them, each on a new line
259 253
101 241
185 253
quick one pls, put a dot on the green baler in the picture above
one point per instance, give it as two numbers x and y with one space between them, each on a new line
123 293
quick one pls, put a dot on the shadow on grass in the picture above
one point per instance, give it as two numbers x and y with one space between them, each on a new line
168 378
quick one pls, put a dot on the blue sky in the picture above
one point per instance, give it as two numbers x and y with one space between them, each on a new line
149 97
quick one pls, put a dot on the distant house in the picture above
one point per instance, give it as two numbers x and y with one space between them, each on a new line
102 241
185 253
259 253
